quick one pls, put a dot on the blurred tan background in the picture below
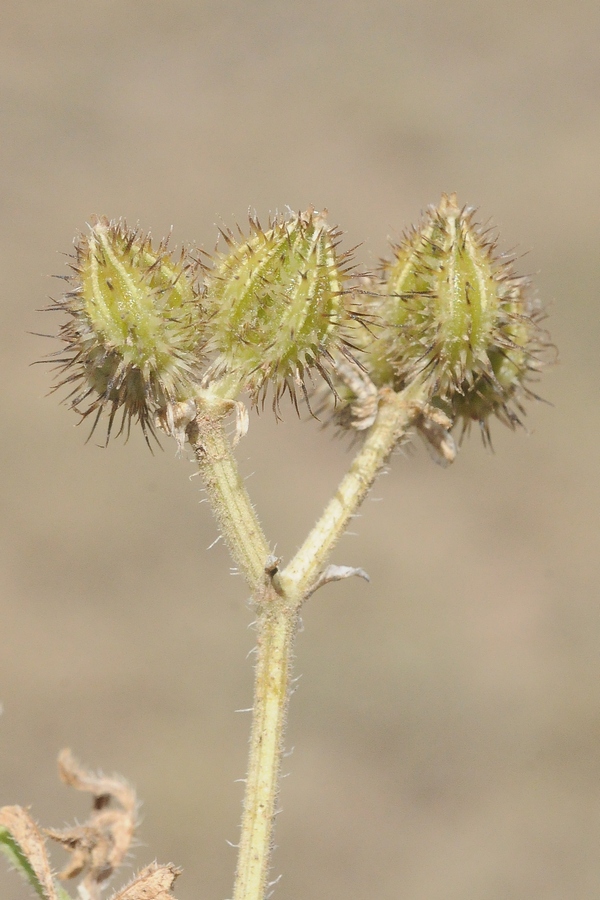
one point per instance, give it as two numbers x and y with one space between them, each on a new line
447 722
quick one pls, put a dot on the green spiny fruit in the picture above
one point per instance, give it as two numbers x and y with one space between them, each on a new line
278 305
453 311
135 329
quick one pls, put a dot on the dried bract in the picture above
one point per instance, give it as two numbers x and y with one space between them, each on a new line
152 883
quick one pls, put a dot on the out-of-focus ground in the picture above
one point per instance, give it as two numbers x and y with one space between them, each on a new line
447 723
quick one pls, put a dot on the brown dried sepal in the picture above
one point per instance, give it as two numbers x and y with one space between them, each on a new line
101 844
434 427
31 843
152 883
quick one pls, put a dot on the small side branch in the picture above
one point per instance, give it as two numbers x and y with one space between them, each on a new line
395 415
229 499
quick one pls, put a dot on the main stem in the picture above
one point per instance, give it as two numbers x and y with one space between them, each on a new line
278 597
276 631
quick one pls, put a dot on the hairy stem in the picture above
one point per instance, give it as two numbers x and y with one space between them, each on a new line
278 597
229 499
395 415
277 629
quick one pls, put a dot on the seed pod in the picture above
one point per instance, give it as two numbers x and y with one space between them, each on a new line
453 311
135 328
278 306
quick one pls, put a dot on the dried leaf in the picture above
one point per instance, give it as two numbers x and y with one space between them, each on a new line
100 845
152 883
103 787
336 573
27 850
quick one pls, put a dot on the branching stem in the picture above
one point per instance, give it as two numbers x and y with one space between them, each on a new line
278 597
395 415
226 491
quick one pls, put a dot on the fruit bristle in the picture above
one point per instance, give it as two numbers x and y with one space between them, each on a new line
135 329
454 311
279 305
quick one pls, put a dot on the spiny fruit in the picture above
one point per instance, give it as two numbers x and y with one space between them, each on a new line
278 305
454 312
135 330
